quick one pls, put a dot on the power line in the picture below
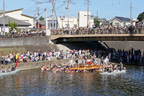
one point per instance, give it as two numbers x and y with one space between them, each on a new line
38 10
87 13
60 5
67 7
131 13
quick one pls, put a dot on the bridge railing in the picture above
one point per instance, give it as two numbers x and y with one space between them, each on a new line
78 32
98 31
22 35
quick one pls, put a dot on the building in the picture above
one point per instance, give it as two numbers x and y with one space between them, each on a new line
104 22
41 24
20 24
17 14
74 22
82 19
121 21
62 22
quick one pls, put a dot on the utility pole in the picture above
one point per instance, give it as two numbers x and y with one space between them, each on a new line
68 13
131 14
34 20
3 17
56 19
87 15
46 20
67 7
38 13
52 14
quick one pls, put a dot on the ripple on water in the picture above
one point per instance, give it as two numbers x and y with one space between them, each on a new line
37 83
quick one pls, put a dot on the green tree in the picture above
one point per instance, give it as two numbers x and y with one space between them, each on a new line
41 18
96 22
12 25
141 16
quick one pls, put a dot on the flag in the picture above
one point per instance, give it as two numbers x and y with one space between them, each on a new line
17 62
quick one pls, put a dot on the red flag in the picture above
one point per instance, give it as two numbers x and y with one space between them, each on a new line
17 62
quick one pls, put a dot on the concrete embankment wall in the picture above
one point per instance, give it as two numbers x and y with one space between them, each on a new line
124 45
34 43
34 65
24 41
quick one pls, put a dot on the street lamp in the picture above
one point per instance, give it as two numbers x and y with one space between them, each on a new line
62 19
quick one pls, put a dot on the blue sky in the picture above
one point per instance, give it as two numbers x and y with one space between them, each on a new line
106 8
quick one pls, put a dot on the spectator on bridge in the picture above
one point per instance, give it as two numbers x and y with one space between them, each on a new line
131 29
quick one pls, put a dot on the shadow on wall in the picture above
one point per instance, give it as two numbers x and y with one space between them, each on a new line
84 45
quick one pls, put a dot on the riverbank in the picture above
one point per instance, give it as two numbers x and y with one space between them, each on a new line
35 65
32 48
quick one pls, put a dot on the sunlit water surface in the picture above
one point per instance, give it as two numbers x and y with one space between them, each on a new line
37 83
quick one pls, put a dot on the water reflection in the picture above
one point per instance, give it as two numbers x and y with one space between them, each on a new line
37 83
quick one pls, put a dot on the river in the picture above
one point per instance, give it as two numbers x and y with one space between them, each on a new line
37 83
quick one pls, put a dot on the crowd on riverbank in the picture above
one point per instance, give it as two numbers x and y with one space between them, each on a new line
131 56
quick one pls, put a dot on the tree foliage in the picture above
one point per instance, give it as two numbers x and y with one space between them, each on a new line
12 25
96 22
41 18
141 16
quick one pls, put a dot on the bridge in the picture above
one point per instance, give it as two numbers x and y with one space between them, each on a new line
98 37
115 34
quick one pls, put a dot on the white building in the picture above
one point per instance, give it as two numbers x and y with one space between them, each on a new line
82 19
63 22
17 14
75 22
121 21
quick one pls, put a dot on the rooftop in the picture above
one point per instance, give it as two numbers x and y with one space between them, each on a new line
123 18
16 10
10 19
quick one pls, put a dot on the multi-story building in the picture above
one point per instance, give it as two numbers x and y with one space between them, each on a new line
74 22
82 19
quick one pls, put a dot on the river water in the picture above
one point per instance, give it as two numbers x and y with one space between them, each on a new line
37 83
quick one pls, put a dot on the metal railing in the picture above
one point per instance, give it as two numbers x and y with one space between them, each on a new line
22 35
78 32
98 31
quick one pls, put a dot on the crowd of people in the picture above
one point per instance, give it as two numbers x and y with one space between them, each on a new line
99 30
78 31
9 69
31 33
131 56
78 58
76 69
